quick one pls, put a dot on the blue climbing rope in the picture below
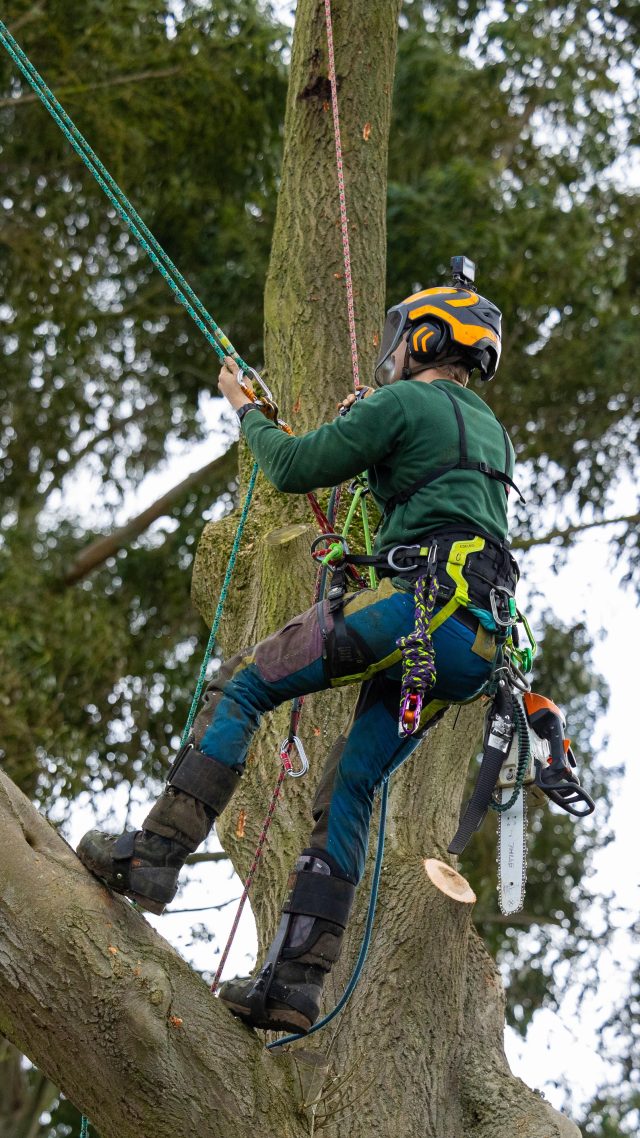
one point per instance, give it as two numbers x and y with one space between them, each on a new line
183 292
222 347
364 948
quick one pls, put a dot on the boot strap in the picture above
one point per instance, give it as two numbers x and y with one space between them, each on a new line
122 849
328 898
323 896
203 777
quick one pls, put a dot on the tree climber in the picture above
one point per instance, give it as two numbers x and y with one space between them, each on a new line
439 467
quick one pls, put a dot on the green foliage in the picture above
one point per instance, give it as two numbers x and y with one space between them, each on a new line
615 1109
102 370
98 357
510 141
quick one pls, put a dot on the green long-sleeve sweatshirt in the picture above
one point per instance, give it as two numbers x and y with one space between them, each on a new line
398 434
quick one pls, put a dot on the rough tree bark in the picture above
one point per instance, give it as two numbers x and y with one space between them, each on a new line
87 989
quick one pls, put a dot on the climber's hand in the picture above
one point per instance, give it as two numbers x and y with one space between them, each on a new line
228 384
345 406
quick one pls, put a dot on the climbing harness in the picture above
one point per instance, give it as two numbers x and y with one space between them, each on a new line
327 548
495 611
471 576
248 379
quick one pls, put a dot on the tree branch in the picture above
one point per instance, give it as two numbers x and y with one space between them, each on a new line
95 554
85 88
110 1012
200 858
64 468
527 543
204 908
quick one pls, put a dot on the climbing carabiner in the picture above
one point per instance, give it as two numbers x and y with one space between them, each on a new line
334 548
285 756
410 712
255 378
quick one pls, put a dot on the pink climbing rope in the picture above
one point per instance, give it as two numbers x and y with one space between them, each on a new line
285 753
252 872
344 221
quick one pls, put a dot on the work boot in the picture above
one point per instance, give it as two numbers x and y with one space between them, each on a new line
286 993
141 865
145 864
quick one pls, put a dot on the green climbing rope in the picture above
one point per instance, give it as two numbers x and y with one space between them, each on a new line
181 289
174 278
218 614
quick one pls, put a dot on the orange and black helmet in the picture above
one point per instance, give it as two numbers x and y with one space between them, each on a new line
447 324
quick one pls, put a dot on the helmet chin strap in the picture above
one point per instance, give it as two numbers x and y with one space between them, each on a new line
406 371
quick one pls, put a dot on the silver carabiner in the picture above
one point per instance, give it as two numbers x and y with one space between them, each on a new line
260 381
401 568
500 592
285 750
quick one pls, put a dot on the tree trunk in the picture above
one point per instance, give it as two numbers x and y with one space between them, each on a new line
87 989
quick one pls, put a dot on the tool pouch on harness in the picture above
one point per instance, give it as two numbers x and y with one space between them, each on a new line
481 573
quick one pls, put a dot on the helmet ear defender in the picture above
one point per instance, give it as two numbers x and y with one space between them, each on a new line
428 341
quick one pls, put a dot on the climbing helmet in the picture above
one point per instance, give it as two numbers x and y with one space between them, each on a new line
447 324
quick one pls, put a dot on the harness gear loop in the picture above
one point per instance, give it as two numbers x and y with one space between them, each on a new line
216 337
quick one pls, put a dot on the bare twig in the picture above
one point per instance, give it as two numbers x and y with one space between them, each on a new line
527 543
95 554
85 88
201 858
203 908
34 13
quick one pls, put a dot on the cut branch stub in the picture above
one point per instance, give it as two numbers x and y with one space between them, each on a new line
448 881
